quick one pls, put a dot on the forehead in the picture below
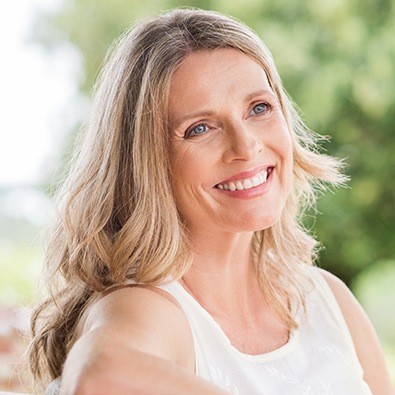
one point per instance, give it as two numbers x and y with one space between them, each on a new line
205 76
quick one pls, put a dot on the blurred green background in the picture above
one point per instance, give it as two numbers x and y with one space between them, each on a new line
336 59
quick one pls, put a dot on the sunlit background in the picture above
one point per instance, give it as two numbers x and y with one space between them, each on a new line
336 58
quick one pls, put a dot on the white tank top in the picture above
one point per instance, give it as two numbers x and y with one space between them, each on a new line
318 359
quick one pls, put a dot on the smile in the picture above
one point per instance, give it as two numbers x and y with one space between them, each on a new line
247 183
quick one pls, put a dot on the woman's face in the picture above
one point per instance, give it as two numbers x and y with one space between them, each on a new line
231 153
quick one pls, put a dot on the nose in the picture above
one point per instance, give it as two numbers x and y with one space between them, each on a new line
243 143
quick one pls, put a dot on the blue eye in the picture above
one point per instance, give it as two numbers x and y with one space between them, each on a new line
259 108
197 130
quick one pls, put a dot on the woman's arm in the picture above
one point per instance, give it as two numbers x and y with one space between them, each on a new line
134 341
364 336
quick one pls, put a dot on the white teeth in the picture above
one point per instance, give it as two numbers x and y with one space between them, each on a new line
255 181
248 183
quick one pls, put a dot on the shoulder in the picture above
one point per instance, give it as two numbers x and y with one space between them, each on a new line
365 339
147 302
342 293
147 318
352 311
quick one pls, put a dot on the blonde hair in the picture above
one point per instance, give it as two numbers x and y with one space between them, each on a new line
117 218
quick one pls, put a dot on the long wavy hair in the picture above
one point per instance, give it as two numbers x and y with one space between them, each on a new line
117 218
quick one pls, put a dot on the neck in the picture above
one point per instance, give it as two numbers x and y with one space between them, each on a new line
222 277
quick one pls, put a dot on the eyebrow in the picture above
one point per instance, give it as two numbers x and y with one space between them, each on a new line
260 92
207 113
186 117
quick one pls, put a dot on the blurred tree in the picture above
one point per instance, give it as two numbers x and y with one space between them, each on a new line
336 60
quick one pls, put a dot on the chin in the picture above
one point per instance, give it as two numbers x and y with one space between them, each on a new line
254 223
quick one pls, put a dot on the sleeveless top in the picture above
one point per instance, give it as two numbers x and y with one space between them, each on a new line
318 359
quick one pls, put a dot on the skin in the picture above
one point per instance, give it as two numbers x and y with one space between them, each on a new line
365 339
139 337
244 127
238 136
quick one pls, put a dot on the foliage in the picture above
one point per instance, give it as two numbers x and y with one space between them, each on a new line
336 60
20 266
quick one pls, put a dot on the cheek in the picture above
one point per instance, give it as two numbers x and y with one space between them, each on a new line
182 157
289 168
193 163
283 146
188 171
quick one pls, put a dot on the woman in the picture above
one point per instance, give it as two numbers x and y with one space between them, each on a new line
178 264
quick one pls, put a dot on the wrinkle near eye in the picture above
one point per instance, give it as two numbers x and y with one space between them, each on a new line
180 151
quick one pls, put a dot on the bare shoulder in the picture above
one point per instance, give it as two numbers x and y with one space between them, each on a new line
364 337
146 319
352 311
349 305
125 302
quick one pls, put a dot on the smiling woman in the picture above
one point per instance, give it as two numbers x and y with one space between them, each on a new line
238 133
178 264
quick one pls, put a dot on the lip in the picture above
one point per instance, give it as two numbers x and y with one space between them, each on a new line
246 174
251 193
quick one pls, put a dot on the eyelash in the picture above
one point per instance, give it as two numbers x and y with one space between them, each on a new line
267 107
190 130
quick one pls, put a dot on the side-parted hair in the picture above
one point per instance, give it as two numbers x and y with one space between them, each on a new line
117 218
